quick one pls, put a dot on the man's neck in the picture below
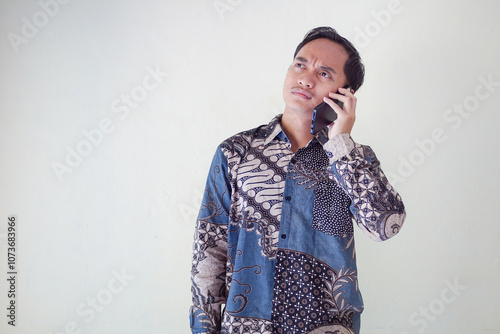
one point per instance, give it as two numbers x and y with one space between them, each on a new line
297 129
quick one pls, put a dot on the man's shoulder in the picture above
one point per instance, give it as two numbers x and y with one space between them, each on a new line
240 143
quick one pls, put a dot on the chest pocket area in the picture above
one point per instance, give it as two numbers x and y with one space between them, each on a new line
331 213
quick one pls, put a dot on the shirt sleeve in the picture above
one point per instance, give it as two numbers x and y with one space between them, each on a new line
376 206
208 274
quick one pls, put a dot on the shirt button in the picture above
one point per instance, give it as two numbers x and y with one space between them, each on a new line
288 198
283 236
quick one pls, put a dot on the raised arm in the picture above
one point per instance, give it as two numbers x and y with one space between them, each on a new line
376 206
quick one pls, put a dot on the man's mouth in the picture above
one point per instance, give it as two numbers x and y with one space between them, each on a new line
301 93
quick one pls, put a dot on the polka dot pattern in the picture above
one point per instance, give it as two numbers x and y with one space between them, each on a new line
331 210
299 299
331 214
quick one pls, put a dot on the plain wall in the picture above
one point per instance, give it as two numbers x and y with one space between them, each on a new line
110 112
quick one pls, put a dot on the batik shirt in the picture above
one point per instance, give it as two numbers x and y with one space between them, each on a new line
274 247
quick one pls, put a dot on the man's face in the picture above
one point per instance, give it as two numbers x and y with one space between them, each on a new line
318 69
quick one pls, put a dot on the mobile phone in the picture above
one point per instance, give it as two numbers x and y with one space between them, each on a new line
323 115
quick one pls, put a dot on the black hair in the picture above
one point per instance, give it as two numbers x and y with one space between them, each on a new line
353 68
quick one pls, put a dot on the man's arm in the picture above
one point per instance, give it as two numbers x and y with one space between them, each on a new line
208 274
376 206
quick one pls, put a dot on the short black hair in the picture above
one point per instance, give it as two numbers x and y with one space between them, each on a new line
353 68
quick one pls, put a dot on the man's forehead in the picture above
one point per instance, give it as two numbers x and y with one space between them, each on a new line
323 47
324 52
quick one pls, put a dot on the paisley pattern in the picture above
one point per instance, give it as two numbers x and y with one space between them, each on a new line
258 175
274 246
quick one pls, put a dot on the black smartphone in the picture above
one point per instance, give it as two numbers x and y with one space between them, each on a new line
323 115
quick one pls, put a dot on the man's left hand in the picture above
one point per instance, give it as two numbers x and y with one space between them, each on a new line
346 116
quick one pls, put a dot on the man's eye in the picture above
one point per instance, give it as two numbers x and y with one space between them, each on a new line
325 75
299 65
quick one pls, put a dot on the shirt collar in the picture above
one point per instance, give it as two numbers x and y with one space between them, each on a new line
274 129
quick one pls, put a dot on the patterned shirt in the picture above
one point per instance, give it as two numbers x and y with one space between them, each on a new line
274 237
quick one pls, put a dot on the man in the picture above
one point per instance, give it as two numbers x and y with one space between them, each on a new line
274 237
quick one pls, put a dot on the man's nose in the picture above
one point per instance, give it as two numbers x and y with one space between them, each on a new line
306 81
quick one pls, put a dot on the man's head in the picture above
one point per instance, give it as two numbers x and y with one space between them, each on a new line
323 63
354 69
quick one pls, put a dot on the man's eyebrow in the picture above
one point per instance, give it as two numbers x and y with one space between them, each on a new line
324 68
328 69
302 60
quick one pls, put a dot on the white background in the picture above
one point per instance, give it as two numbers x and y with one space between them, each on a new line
128 207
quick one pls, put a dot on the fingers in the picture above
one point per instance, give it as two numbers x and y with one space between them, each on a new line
347 97
346 115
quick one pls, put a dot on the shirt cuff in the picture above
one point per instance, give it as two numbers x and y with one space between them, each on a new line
338 146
